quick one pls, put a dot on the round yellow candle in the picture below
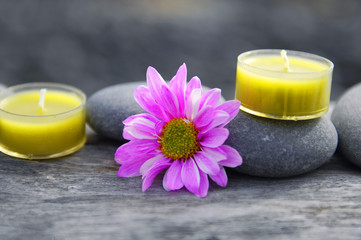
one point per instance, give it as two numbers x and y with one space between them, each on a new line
41 126
292 86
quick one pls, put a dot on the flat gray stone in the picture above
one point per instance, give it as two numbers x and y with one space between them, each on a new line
347 119
274 148
110 106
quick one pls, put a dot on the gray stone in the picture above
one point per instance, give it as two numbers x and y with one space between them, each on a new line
347 119
109 107
274 148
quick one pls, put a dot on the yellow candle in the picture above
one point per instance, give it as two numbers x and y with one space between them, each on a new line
41 120
292 86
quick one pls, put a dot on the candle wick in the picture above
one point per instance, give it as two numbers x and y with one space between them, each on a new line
286 62
42 98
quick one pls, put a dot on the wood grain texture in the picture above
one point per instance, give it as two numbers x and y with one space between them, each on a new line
80 197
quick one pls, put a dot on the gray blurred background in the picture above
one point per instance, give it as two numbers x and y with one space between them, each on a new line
92 44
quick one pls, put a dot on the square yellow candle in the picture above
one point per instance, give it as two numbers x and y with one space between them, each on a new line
41 120
289 86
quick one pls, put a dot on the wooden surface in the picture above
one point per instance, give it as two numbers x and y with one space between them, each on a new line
80 197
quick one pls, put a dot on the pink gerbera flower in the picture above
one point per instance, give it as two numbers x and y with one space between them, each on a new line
182 133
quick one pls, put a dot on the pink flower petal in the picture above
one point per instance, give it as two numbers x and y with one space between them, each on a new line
192 103
194 83
211 98
190 175
216 154
145 116
145 100
218 118
172 179
234 159
126 152
160 162
231 107
143 122
204 185
149 163
122 154
214 137
139 132
206 164
178 85
131 168
139 120
204 117
159 128
155 83
152 172
170 102
127 136
221 178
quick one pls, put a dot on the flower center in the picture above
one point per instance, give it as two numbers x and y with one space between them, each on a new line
179 139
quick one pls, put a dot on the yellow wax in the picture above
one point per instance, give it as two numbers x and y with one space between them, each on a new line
28 131
265 88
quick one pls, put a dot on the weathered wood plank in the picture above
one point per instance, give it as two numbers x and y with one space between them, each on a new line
80 197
